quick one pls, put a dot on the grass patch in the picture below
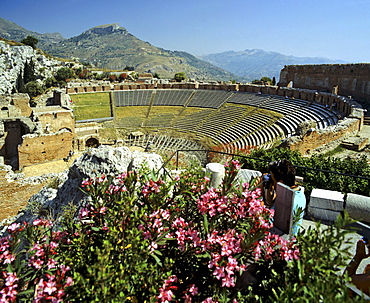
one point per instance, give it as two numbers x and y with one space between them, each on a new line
331 153
130 111
91 106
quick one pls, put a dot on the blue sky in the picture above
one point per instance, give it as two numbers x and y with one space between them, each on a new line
326 28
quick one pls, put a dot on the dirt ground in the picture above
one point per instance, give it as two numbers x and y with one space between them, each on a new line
14 197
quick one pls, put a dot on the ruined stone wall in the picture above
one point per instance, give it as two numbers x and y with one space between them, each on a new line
22 103
44 148
57 120
314 139
342 79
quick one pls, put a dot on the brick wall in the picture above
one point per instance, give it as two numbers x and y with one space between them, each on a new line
44 148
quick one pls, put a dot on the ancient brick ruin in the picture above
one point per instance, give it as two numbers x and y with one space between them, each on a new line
341 79
32 135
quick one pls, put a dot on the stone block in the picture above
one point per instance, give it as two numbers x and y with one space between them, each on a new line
217 172
246 175
358 207
323 214
327 199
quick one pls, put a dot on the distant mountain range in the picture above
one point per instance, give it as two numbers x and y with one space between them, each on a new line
256 63
113 47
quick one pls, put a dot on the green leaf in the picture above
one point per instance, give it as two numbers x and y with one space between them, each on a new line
205 223
157 259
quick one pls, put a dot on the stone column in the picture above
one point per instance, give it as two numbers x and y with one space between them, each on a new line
217 172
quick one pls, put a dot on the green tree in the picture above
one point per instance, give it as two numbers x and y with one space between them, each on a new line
30 41
20 87
29 72
34 89
273 81
266 79
50 82
180 76
64 73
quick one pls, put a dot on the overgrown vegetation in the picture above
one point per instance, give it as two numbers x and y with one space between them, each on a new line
315 178
144 238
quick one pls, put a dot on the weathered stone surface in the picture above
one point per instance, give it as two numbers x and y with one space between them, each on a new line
102 160
246 175
217 172
151 160
327 199
348 79
358 207
36 149
305 126
323 214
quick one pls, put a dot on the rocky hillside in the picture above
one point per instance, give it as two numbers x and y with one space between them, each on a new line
256 63
13 59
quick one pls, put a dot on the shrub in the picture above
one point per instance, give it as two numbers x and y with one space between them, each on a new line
143 238
34 89
64 73
30 41
314 178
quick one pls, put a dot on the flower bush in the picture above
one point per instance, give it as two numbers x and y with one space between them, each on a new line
144 238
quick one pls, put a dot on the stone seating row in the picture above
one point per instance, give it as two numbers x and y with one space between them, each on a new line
214 99
132 98
191 121
208 99
164 143
247 99
167 97
221 118
227 125
163 120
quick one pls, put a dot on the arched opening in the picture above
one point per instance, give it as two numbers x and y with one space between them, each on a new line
92 143
290 84
65 129
4 112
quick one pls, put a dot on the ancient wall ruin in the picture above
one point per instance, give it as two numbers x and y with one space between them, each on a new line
54 118
43 148
342 79
30 135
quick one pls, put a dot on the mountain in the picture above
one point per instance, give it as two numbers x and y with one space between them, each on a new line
12 31
113 47
256 63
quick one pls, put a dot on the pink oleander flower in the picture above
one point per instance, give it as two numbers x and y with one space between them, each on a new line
51 263
84 212
42 222
165 292
13 227
7 257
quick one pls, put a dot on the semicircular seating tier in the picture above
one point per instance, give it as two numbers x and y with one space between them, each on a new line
238 120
